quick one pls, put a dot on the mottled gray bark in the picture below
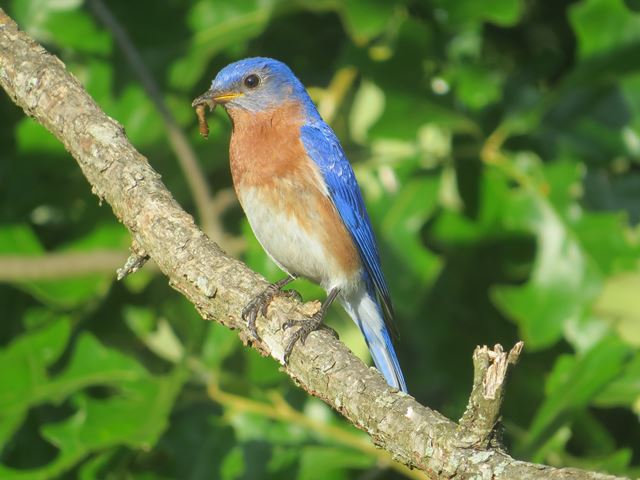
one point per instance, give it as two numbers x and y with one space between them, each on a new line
219 286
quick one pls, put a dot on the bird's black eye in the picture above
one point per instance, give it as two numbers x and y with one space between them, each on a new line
251 81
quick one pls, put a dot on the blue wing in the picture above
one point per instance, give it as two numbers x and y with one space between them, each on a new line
324 148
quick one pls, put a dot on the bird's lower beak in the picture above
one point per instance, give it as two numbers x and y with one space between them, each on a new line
215 97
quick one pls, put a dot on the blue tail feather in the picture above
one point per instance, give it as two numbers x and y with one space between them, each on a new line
367 314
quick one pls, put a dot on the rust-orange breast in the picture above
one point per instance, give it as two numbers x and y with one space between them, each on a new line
266 145
267 154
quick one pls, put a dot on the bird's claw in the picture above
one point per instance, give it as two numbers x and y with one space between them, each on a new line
306 326
249 315
292 294
288 324
260 305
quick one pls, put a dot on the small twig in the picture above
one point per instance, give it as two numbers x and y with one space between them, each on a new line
135 262
491 153
58 266
477 427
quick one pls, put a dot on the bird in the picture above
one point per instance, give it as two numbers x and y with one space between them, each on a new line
303 203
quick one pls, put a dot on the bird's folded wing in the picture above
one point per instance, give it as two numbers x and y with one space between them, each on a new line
323 147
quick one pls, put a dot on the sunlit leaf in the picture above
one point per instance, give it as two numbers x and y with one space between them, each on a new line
564 280
624 390
602 24
321 462
23 372
365 19
503 12
574 382
135 415
217 26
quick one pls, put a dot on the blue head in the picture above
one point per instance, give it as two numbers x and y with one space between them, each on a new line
256 84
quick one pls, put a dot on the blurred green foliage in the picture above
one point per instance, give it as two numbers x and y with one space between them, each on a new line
497 144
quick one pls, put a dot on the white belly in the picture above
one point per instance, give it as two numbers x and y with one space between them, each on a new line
294 248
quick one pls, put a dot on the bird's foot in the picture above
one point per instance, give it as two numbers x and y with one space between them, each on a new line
260 304
305 327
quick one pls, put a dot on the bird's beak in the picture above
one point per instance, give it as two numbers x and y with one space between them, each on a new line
214 97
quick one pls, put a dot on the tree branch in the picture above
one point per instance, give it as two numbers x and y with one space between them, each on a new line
478 426
220 286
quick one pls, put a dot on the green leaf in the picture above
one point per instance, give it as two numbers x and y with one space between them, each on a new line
233 465
219 343
605 237
69 293
76 29
404 215
137 113
23 372
633 5
262 370
96 76
216 26
134 416
92 468
364 20
107 235
601 25
624 391
575 382
501 12
477 87
328 462
405 114
564 280
32 14
409 103
158 335
18 238
619 305
62 23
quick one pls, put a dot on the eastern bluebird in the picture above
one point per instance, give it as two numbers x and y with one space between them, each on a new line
303 202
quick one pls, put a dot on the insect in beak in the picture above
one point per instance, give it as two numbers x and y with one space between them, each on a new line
210 99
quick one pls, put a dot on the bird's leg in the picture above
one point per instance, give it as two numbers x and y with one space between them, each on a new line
260 304
309 325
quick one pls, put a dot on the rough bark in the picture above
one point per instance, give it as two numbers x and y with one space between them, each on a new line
219 286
